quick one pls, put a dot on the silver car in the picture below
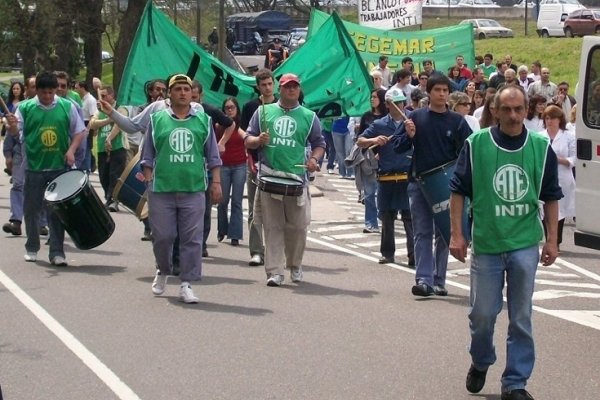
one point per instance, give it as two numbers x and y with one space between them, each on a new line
488 28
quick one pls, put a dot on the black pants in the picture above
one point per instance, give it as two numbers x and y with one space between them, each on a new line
388 238
110 169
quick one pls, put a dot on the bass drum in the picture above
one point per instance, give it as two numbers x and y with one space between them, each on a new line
130 189
77 205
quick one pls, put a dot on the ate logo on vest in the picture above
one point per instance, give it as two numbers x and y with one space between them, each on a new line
511 184
49 138
181 141
285 127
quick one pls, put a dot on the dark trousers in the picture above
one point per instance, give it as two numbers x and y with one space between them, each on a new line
388 238
110 170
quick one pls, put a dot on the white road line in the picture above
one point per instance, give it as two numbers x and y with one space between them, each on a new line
89 359
577 268
336 228
567 284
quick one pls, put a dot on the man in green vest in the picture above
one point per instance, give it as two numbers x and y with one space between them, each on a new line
506 231
281 132
179 147
112 149
51 131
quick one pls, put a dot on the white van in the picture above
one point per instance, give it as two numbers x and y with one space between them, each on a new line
552 16
587 189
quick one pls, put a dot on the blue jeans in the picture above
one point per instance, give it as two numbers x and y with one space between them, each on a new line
370 196
488 272
343 144
233 179
430 267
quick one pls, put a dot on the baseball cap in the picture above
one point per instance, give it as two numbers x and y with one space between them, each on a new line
394 95
179 78
287 78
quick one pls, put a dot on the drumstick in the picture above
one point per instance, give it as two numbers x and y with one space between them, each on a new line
300 166
4 106
263 115
372 147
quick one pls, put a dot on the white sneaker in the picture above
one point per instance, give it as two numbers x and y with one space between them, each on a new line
186 294
59 261
159 283
30 256
275 280
296 274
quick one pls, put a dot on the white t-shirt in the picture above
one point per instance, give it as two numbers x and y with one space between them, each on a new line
88 106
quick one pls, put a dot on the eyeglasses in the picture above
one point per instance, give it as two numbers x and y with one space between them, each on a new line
464 104
423 77
230 107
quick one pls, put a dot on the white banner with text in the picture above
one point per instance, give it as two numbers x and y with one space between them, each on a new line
389 14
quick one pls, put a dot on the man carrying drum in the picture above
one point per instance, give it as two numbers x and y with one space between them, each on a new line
180 146
436 134
51 131
281 132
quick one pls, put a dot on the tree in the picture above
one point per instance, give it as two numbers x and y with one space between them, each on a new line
91 28
129 24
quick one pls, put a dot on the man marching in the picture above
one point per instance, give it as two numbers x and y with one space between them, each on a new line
281 132
179 148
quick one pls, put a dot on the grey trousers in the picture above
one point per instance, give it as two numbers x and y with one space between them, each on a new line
33 201
255 237
173 214
285 221
16 191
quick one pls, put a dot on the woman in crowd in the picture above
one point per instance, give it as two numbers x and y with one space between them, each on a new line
458 82
487 119
478 100
534 121
460 103
564 145
342 141
15 96
233 176
470 89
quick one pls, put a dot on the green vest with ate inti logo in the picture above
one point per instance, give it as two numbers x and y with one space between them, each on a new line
288 132
179 165
506 191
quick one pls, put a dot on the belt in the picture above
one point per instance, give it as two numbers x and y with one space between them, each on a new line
400 177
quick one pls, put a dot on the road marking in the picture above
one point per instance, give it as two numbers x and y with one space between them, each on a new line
89 359
567 284
577 268
336 228
590 319
557 294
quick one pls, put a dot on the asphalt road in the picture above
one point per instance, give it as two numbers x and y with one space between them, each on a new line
351 330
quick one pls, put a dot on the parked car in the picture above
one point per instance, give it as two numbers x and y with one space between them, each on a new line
441 3
296 38
478 4
582 22
487 28
106 56
521 4
552 16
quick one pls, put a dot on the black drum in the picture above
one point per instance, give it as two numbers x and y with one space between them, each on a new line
75 202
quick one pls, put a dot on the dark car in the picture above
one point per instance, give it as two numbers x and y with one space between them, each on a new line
582 22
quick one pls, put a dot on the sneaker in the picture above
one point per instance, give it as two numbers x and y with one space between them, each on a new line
44 231
186 294
296 274
31 256
275 280
58 261
517 394
220 238
256 260
422 289
159 284
330 171
113 206
476 380
371 230
235 242
12 227
386 260
147 236
440 290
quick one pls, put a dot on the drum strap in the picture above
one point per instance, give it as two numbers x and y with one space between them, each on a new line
393 177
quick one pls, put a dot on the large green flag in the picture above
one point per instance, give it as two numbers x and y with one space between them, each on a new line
441 45
334 78
160 49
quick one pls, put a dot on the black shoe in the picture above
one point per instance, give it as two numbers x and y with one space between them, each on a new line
12 227
235 242
147 236
422 289
476 380
386 260
113 206
44 231
517 394
440 290
204 253
220 238
411 262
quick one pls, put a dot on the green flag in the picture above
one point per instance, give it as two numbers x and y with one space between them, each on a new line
441 45
160 49
334 79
